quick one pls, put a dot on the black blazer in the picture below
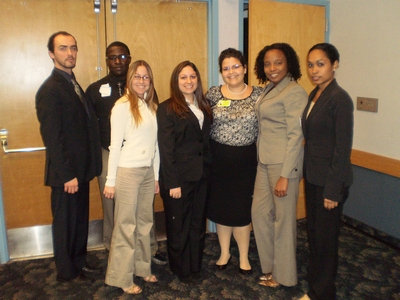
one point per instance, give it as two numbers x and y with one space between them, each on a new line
70 135
184 147
328 133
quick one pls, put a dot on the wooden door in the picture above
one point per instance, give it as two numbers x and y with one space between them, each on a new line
299 25
163 34
25 29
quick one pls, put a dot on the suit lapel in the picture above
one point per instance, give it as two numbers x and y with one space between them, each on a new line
69 89
270 91
323 98
193 119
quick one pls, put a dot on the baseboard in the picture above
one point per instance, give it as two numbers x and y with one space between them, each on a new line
379 235
36 241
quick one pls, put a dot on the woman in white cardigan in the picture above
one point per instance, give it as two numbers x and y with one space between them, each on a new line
132 179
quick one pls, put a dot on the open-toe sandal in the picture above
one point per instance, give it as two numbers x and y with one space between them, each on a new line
150 278
265 277
270 283
133 290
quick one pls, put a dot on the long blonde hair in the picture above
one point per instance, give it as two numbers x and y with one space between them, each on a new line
151 98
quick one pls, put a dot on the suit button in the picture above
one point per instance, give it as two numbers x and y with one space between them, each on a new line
200 154
200 141
143 152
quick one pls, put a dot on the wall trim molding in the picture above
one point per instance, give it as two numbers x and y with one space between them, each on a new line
374 162
371 231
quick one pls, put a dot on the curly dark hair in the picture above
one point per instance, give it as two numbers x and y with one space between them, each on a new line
291 58
231 52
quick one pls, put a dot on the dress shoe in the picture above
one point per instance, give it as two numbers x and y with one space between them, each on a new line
159 259
270 283
80 279
185 279
197 276
223 267
245 272
90 269
265 277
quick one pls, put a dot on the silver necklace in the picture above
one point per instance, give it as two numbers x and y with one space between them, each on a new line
245 88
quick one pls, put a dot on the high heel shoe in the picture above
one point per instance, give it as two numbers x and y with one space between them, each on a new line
223 267
245 272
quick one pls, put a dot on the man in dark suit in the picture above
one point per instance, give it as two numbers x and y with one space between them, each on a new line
69 130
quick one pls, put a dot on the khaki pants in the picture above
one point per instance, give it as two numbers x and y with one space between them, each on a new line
274 224
108 209
130 252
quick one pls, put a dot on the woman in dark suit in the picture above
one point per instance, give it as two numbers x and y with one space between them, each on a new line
327 124
183 135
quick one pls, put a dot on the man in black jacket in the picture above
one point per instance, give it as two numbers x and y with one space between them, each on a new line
69 130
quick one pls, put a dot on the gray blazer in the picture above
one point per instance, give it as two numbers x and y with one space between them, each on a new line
280 138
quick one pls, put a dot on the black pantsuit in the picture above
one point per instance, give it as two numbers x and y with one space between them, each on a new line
323 229
184 162
185 222
328 133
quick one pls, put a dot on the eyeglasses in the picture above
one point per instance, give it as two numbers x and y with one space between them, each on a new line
137 77
234 67
120 57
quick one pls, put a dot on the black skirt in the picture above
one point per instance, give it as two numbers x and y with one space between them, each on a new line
233 172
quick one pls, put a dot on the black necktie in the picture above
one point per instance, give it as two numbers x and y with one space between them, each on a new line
79 93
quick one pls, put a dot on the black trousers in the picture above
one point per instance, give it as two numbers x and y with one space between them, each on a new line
185 224
323 228
70 230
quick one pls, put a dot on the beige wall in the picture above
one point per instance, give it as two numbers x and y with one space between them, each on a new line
367 34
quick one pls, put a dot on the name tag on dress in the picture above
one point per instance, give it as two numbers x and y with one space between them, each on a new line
224 103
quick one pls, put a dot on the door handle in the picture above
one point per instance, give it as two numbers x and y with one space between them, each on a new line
96 6
4 138
114 6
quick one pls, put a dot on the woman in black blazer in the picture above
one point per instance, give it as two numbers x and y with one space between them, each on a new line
183 136
327 124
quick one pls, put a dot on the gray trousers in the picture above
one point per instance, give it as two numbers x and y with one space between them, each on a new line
274 224
108 209
130 252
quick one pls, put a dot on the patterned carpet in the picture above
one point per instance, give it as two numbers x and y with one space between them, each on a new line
368 269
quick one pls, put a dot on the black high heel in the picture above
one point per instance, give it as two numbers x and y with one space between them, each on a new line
223 267
245 272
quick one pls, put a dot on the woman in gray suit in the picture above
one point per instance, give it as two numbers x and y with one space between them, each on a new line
328 131
279 169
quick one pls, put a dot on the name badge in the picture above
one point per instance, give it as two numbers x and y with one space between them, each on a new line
224 103
105 90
